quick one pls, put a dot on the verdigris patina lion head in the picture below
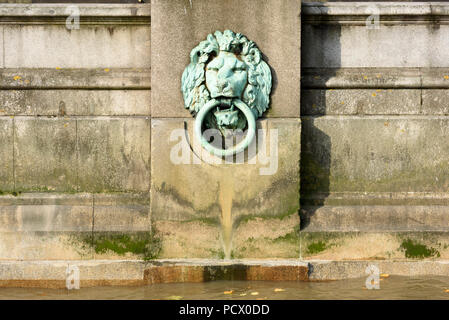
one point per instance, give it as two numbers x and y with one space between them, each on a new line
226 73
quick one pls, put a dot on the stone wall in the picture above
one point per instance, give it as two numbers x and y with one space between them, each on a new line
374 168
86 124
87 171
75 130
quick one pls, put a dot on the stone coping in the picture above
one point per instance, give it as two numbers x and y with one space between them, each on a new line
308 8
86 10
366 8
75 78
379 78
81 198
51 274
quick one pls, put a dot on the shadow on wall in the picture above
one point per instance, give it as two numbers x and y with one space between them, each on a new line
321 51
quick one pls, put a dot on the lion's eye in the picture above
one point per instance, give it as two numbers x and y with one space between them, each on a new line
212 69
238 69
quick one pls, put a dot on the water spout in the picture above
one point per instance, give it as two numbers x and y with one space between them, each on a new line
225 197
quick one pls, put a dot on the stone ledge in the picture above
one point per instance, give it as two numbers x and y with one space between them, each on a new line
375 78
59 10
51 274
89 13
375 218
374 102
390 12
71 78
56 212
178 271
375 198
339 270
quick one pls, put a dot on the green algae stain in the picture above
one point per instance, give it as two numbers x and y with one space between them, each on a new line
146 244
210 221
417 250
316 247
217 254
291 237
14 193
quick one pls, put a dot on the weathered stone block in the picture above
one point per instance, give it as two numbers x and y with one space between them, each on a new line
87 47
333 45
45 245
243 270
435 101
122 212
2 48
79 78
6 155
40 212
367 217
195 196
101 273
336 270
376 154
374 245
45 218
361 101
44 226
114 154
75 102
173 39
53 274
186 239
45 154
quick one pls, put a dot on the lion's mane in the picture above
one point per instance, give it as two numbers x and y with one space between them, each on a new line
257 91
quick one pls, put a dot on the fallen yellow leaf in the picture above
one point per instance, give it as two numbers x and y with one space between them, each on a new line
255 293
279 290
384 275
447 290
17 77
446 77
174 298
106 69
228 292
243 294
58 68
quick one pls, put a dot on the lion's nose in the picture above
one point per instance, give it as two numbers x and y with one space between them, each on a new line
221 85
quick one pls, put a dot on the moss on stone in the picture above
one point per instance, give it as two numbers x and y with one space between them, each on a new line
146 244
211 221
413 249
291 237
14 193
316 247
246 218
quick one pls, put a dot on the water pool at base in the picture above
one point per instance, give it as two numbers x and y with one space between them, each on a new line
393 287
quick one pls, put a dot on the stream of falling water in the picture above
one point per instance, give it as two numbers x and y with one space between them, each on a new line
225 197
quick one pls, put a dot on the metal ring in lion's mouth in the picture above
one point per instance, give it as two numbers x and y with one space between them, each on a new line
242 145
